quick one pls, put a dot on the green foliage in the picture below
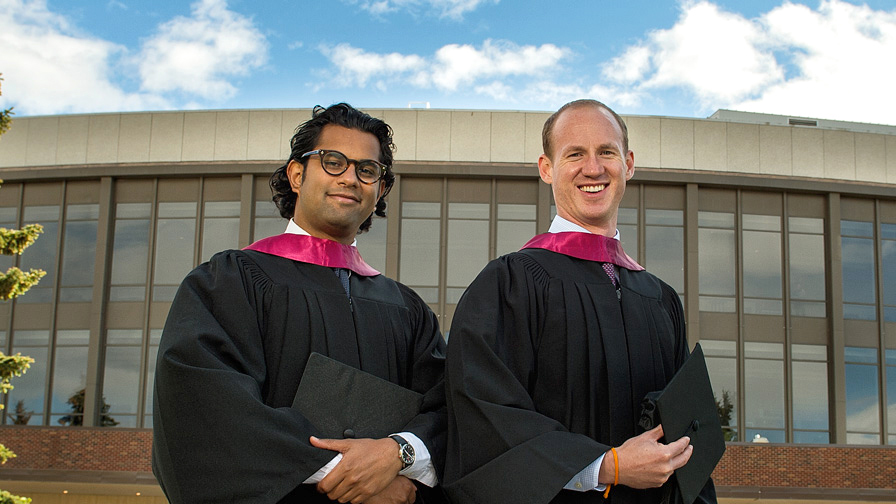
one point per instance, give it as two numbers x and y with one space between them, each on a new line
76 418
16 282
725 408
8 498
11 366
15 241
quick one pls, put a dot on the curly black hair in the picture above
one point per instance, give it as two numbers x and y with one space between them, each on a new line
306 138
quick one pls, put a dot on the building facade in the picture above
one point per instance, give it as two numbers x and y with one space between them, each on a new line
778 233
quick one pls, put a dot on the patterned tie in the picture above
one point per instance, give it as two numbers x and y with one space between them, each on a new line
611 272
343 275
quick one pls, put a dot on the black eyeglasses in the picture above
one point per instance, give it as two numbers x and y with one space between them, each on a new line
335 163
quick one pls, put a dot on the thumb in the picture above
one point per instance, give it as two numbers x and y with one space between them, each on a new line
328 444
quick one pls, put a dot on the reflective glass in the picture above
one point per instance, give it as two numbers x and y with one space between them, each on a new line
90 211
723 376
419 261
807 267
177 209
716 257
372 244
69 381
511 211
891 396
30 388
42 254
628 237
174 250
856 228
655 217
762 264
124 336
762 222
718 304
862 399
858 270
121 379
815 309
811 225
468 210
810 395
130 252
467 250
766 435
665 254
219 234
808 437
888 270
133 210
724 220
888 231
763 306
511 235
764 393
809 352
79 253
151 356
421 209
758 350
268 221
221 209
860 355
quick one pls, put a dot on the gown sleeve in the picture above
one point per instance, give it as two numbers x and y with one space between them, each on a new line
500 448
214 438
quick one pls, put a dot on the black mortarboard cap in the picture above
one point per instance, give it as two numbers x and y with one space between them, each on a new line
345 402
687 407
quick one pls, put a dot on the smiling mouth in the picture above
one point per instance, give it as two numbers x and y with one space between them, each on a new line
346 196
593 188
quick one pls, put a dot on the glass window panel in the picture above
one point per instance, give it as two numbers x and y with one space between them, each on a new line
130 251
856 228
468 210
453 294
219 234
758 350
30 388
718 348
862 399
511 235
807 267
716 257
858 270
372 244
124 336
421 209
888 270
76 294
121 379
174 250
804 437
117 293
859 438
69 382
164 292
764 393
724 220
664 217
888 231
512 211
810 395
268 221
42 254
891 397
151 356
9 216
718 304
419 265
627 216
41 213
73 337
30 338
890 357
221 209
809 352
665 254
762 264
812 225
628 237
860 355
79 253
859 312
171 209
816 309
764 435
762 306
90 211
155 336
133 210
762 222
467 251
723 377
428 294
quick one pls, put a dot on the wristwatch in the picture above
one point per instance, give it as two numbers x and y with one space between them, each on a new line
405 451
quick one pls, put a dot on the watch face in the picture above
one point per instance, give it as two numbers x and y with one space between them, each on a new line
407 454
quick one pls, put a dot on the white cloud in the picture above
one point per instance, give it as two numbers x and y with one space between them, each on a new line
454 9
198 54
453 67
832 62
49 67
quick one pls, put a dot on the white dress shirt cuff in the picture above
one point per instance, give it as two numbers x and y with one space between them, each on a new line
422 469
323 471
587 478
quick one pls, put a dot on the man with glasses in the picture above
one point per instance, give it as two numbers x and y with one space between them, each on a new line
243 325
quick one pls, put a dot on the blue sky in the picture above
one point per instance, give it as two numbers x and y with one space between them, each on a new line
830 59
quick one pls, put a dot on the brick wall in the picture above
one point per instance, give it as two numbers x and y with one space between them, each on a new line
746 465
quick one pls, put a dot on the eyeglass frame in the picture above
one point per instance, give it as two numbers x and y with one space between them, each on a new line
357 162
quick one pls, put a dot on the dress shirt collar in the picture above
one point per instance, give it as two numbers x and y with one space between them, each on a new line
293 228
561 225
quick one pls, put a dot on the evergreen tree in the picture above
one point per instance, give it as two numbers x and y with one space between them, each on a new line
14 283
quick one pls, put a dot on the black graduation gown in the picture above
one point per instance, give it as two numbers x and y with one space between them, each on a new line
546 371
231 356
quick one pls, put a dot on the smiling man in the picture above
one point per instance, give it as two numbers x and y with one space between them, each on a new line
243 325
554 347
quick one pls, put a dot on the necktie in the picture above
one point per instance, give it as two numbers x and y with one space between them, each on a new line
343 275
611 272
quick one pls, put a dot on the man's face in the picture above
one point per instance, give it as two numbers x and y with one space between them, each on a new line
333 207
588 168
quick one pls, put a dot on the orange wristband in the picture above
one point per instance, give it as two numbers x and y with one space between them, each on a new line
616 473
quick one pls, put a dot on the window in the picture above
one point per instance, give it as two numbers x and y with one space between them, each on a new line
810 394
862 396
764 391
717 262
857 251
